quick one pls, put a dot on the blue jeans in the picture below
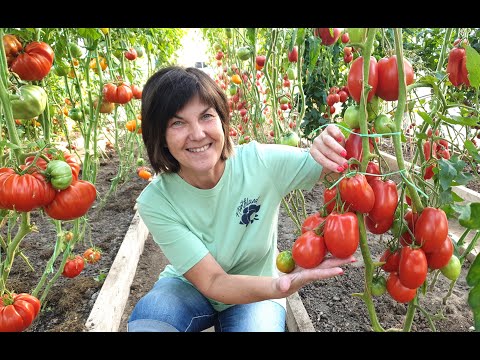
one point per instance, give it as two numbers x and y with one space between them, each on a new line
174 305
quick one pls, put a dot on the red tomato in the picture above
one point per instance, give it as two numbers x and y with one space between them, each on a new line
74 266
397 291
345 38
17 311
341 234
353 145
412 268
441 256
355 78
386 200
120 94
293 55
131 54
309 250
391 259
312 222
327 37
431 229
260 60
72 202
457 67
329 199
372 168
387 88
136 91
35 62
378 226
357 193
92 255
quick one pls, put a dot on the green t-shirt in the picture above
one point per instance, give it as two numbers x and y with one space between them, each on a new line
236 221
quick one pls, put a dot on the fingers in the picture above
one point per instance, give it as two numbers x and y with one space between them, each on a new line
328 149
334 262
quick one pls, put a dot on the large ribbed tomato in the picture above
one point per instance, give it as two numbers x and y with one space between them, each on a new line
341 234
355 78
431 229
387 88
69 158
309 250
17 311
35 62
120 94
412 268
72 202
357 193
24 192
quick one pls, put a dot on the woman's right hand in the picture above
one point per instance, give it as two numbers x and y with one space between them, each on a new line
289 283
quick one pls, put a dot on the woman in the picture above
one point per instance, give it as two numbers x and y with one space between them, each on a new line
213 210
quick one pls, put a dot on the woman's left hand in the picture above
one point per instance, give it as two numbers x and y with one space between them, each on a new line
328 149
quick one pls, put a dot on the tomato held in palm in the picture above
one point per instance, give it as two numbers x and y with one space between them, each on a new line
309 250
285 262
431 229
312 222
386 199
391 259
341 234
412 268
399 292
17 311
357 193
92 255
441 256
387 87
355 78
73 202
35 62
74 266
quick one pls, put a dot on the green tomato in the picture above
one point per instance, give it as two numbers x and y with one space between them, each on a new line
374 107
285 262
284 100
232 90
75 114
60 68
228 32
75 50
379 285
139 50
291 73
59 173
244 53
357 35
290 138
29 102
453 268
352 116
383 124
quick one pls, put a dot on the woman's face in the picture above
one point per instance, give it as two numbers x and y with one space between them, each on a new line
195 138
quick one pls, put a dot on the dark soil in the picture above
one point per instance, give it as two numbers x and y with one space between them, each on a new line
70 301
329 303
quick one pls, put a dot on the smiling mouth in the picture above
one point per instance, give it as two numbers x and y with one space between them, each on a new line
199 149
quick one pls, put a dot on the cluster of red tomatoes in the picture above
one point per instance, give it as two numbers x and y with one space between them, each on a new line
49 181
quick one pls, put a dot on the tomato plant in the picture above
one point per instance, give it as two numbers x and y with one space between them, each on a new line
309 250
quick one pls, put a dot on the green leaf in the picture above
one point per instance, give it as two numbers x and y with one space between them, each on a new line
473 66
90 33
458 120
472 150
470 216
447 173
426 117
456 197
445 197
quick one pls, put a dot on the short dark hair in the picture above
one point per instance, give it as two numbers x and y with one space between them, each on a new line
165 93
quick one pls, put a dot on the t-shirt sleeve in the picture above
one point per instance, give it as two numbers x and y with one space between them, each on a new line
182 248
290 167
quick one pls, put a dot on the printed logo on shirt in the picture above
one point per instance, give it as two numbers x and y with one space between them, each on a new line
247 211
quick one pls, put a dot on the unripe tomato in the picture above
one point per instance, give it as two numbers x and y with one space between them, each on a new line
59 173
285 262
379 285
453 268
29 102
